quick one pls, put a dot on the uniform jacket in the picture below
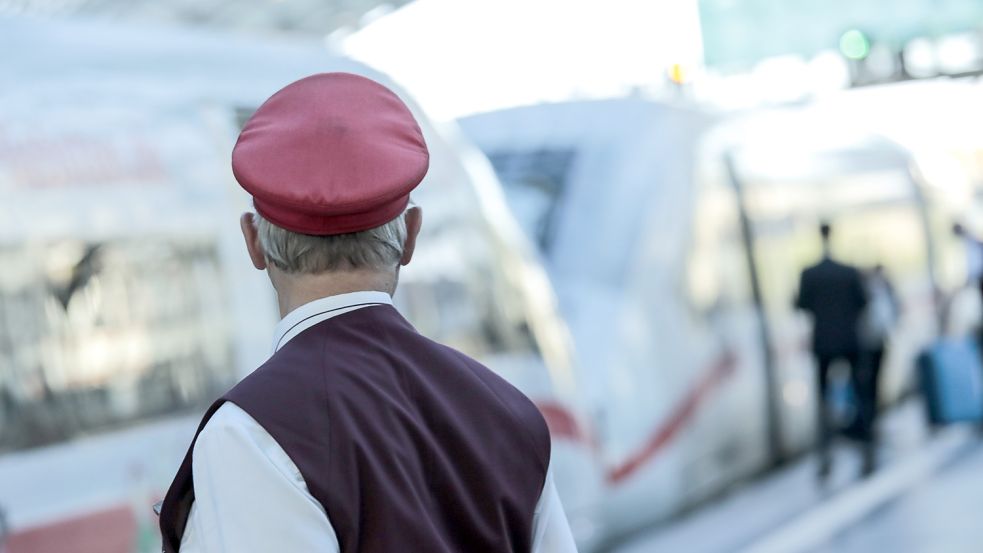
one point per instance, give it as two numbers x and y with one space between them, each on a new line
408 445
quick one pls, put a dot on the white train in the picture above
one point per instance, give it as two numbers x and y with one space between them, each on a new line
675 237
126 302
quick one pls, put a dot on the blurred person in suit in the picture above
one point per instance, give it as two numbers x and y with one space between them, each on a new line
833 294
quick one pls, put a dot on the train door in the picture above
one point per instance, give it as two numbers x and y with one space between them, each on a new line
866 192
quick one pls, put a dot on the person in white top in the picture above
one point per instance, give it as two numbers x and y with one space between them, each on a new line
239 491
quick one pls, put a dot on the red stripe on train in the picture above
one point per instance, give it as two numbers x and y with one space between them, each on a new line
108 531
563 424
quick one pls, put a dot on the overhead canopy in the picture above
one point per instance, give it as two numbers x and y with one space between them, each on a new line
460 57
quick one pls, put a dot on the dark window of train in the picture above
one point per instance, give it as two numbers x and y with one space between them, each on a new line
535 182
96 336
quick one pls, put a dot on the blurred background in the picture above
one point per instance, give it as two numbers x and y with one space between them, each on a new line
622 198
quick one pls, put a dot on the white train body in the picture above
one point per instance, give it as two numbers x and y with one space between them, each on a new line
649 218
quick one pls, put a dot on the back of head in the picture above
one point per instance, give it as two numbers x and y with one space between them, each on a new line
376 249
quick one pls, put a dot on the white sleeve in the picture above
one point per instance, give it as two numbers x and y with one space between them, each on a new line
551 531
249 495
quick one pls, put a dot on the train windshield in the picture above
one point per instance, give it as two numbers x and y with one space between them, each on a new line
867 193
866 190
535 182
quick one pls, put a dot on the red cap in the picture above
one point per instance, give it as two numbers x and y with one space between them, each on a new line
332 153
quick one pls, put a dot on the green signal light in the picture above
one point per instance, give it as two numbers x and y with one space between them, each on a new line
854 45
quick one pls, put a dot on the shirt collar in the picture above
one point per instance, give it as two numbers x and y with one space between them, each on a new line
322 309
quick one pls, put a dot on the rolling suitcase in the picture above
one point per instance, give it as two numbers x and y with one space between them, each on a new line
951 374
842 402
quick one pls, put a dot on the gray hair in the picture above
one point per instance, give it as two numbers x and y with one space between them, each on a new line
379 248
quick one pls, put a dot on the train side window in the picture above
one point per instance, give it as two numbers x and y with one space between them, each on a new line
97 335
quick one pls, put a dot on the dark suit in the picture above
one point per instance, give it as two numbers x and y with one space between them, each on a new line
833 293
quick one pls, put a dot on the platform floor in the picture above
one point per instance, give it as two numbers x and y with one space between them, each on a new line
927 497
943 513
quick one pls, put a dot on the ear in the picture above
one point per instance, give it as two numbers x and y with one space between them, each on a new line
414 221
253 246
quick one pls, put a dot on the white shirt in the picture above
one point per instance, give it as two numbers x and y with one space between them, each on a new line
276 512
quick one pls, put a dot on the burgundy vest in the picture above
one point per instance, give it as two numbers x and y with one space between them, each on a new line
409 445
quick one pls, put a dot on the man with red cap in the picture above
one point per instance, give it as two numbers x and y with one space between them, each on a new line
358 434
